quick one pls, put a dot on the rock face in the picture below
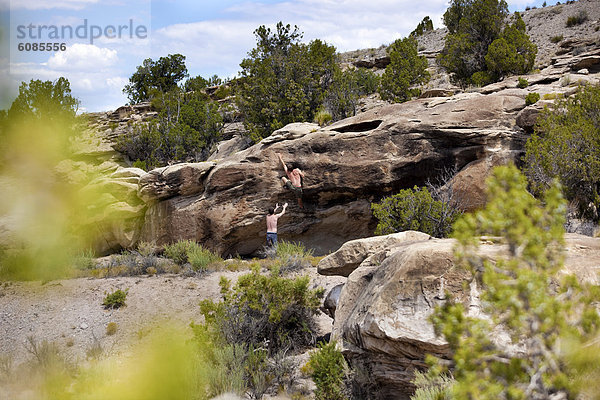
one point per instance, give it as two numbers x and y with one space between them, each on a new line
347 165
382 314
175 180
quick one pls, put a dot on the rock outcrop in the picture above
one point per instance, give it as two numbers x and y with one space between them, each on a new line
347 165
381 318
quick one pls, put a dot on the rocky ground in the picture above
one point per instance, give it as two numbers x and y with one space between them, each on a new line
69 313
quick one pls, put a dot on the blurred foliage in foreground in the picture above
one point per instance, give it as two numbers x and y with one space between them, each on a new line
547 319
40 211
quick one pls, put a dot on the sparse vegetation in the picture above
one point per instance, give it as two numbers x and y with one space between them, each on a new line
85 260
179 251
532 98
523 83
283 80
201 259
111 328
115 299
574 20
556 39
152 77
551 96
415 209
327 368
432 386
95 350
46 354
292 256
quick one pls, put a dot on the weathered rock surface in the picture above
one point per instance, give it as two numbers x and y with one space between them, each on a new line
183 179
382 314
347 165
115 211
354 252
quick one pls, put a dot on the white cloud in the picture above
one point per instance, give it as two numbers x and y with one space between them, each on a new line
52 4
83 57
116 82
218 46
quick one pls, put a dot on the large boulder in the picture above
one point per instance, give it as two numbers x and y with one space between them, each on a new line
354 252
382 316
348 165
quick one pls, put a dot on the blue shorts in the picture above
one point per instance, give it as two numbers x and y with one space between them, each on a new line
271 238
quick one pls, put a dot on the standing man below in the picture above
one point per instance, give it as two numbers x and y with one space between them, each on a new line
272 224
294 183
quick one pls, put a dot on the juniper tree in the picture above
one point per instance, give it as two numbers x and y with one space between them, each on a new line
566 146
283 80
405 70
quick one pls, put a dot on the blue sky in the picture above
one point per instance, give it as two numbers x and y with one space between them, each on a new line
213 35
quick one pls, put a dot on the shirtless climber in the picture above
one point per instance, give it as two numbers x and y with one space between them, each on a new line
272 224
294 183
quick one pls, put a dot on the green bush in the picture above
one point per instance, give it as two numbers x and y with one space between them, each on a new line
512 52
557 38
323 118
111 328
201 258
155 76
566 146
482 78
292 256
261 308
46 354
179 251
432 386
523 83
414 209
186 128
115 299
327 368
347 86
85 260
405 70
426 25
532 98
578 19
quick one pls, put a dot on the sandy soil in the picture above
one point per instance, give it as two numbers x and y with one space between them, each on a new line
70 312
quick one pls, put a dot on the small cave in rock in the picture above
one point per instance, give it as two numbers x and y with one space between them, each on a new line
360 126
